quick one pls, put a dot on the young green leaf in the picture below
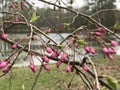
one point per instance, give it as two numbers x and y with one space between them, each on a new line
112 82
103 88
23 87
60 46
66 24
116 25
34 17
81 42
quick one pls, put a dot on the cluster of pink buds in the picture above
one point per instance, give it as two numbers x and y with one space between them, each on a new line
4 66
109 52
89 49
99 31
53 53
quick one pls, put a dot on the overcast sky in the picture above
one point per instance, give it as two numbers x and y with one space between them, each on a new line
77 3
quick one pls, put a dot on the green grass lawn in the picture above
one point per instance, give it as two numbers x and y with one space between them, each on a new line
57 78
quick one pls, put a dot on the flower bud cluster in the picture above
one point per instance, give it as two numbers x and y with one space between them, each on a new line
4 65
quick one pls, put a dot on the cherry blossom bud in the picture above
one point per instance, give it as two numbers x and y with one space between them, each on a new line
110 57
114 51
58 64
48 30
45 58
64 56
11 5
32 67
48 49
92 51
87 48
101 29
98 34
85 67
47 68
53 54
57 52
7 18
114 43
76 45
68 68
3 36
6 69
110 50
3 64
14 46
105 50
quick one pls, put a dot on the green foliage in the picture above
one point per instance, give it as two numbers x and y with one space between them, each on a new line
34 17
103 88
81 42
23 87
66 24
112 82
116 25
60 46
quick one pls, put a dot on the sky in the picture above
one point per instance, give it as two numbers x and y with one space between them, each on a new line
77 3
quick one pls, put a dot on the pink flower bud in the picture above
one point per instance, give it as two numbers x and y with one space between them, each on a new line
47 68
14 46
11 5
114 43
48 49
58 64
68 68
85 67
105 50
53 54
101 29
3 36
87 48
57 52
110 57
76 45
47 31
3 64
98 34
45 58
110 50
114 51
6 69
32 67
92 51
64 56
